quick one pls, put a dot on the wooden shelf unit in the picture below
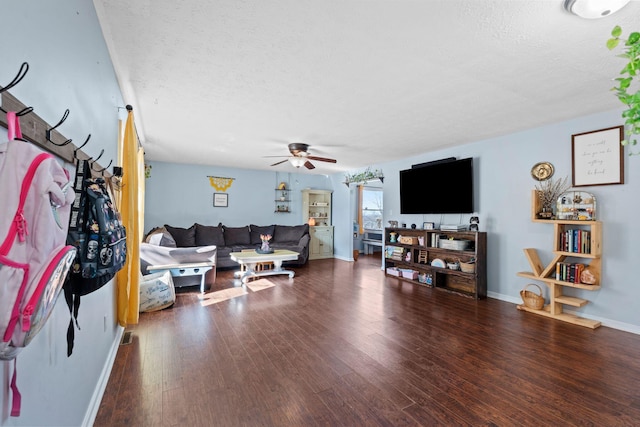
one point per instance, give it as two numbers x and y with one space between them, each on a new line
472 285
316 205
547 274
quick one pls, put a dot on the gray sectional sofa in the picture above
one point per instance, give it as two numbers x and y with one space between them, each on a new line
234 239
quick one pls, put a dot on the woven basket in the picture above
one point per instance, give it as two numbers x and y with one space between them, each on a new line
531 299
467 267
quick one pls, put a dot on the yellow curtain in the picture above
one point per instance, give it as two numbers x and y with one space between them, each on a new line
131 209
360 222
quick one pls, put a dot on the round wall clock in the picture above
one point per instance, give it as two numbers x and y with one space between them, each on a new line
542 171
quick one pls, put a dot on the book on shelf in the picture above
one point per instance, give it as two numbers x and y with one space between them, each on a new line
575 241
569 272
394 252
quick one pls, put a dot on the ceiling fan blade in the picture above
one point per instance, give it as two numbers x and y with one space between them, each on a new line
321 159
309 165
280 162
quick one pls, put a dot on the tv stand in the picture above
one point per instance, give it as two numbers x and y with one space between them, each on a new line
413 251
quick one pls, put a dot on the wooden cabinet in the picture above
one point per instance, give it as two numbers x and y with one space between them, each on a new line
321 245
410 250
316 211
577 246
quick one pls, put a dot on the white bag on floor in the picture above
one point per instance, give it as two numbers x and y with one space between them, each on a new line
156 291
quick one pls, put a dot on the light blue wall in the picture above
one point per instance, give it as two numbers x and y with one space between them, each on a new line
69 68
503 203
181 195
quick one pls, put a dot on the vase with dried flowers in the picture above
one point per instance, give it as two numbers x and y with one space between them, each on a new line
548 193
264 247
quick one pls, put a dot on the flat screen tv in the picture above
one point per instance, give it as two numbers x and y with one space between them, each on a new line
437 188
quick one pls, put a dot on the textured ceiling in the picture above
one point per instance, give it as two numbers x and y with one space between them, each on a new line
228 82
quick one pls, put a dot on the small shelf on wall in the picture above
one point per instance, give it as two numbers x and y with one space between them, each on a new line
282 191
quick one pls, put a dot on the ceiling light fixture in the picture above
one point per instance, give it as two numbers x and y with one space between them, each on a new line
297 161
594 9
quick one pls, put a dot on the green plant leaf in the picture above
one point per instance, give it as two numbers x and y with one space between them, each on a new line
612 43
617 31
633 38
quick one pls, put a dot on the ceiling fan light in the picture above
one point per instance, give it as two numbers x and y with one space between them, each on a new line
297 161
594 9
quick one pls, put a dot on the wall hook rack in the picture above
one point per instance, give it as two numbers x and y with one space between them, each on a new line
75 152
17 79
48 131
24 68
101 171
96 159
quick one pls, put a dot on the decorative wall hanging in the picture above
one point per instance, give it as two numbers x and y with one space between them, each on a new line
367 175
220 183
596 157
542 171
220 200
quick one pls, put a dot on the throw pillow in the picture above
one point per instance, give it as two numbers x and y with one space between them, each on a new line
234 236
207 235
159 236
257 230
290 233
184 237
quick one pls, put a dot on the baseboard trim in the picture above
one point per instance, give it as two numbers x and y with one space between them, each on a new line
614 324
98 392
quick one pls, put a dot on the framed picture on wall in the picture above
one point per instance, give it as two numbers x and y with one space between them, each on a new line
220 200
597 157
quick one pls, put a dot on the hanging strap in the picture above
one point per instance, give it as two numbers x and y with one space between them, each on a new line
16 396
77 222
13 125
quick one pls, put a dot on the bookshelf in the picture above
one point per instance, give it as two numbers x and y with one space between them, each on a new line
577 244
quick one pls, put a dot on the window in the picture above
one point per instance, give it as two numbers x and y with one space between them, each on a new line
372 208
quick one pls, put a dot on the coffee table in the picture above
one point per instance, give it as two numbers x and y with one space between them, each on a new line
250 259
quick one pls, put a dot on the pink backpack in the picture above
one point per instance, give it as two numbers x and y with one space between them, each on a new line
36 198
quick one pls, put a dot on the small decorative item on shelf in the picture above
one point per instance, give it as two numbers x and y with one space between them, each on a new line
548 192
531 299
312 222
407 257
428 279
365 176
453 265
265 248
282 186
588 277
393 224
469 266
393 236
576 205
473 223
437 262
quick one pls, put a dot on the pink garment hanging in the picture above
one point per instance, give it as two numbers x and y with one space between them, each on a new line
13 125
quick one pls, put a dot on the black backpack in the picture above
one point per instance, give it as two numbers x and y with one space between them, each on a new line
96 230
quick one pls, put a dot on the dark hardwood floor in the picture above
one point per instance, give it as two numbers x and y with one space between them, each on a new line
343 345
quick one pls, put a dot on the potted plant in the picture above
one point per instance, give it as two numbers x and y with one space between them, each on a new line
627 89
